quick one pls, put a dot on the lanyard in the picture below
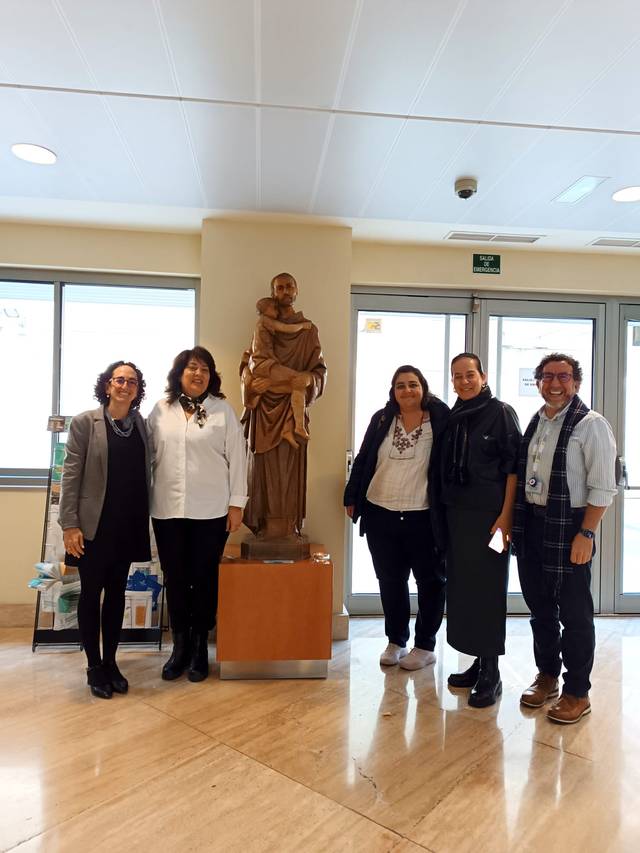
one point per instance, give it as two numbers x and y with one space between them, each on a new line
538 449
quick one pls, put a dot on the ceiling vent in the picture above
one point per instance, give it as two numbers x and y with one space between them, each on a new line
613 241
483 237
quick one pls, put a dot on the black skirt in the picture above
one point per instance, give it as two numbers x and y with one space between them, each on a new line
477 580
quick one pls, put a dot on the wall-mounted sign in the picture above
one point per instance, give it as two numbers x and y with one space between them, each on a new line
488 264
526 382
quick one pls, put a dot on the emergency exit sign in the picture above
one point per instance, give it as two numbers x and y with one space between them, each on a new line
487 264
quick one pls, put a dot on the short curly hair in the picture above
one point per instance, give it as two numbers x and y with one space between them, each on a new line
174 385
559 356
100 392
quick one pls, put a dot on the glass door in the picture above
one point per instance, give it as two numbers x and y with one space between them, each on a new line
388 331
517 335
627 580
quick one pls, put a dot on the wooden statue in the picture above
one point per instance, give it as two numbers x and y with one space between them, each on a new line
282 373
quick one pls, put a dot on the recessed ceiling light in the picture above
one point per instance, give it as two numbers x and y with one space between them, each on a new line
627 194
34 153
583 187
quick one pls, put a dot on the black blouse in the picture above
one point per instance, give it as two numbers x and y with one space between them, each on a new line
494 439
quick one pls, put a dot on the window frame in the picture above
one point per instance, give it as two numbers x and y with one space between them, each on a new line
37 478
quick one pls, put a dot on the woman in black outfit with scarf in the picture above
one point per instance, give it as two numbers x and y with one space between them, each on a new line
479 461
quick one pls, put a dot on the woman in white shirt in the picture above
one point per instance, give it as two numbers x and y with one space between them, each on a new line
198 495
392 488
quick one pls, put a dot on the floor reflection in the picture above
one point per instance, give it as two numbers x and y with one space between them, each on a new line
372 758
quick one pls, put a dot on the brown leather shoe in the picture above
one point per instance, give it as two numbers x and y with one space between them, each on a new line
544 687
569 709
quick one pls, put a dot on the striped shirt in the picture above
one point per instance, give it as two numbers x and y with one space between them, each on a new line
591 456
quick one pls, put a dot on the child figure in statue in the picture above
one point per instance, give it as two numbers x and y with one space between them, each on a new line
264 364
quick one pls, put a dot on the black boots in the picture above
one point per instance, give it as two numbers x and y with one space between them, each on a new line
98 681
467 678
488 686
118 682
179 659
199 666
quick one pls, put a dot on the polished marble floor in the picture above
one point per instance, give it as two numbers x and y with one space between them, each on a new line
370 759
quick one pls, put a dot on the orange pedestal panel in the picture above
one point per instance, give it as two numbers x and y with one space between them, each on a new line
274 613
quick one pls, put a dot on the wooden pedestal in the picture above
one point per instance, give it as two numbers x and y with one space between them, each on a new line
274 620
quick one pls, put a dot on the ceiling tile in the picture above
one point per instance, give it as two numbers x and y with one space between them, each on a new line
304 44
392 52
354 158
482 55
36 48
292 144
156 134
212 43
581 46
122 43
91 144
415 165
225 145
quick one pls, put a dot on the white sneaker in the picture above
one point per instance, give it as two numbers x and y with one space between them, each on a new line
392 654
417 659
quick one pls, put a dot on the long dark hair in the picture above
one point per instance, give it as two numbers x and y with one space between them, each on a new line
426 394
174 387
99 390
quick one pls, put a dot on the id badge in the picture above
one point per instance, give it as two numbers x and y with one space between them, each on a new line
533 486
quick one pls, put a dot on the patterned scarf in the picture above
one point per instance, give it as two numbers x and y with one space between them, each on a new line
193 404
456 465
558 521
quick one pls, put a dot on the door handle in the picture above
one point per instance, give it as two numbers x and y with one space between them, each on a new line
622 476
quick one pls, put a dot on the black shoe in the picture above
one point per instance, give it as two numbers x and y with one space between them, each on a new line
99 683
467 678
179 659
118 682
199 666
488 686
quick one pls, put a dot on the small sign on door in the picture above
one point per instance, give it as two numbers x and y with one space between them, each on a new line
527 383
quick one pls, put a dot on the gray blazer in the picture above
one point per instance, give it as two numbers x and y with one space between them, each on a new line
84 476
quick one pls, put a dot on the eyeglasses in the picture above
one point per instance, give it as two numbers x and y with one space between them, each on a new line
121 381
562 377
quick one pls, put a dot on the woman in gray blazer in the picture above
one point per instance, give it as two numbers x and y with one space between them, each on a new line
104 514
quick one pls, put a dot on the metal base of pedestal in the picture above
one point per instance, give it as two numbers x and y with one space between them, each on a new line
230 669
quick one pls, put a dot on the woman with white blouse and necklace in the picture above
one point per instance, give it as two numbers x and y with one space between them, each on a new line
198 496
392 488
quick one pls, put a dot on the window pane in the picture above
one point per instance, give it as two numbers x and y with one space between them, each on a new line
145 325
631 511
385 340
26 378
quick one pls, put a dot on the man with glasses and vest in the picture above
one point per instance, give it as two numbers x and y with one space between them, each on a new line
566 481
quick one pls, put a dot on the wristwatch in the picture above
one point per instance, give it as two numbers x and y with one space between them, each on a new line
588 533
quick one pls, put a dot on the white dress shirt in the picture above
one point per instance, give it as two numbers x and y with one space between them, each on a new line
198 472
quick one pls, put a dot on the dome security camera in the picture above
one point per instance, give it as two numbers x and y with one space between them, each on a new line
466 187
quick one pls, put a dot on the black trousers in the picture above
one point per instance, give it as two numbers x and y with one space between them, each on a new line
190 550
568 604
98 574
400 543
